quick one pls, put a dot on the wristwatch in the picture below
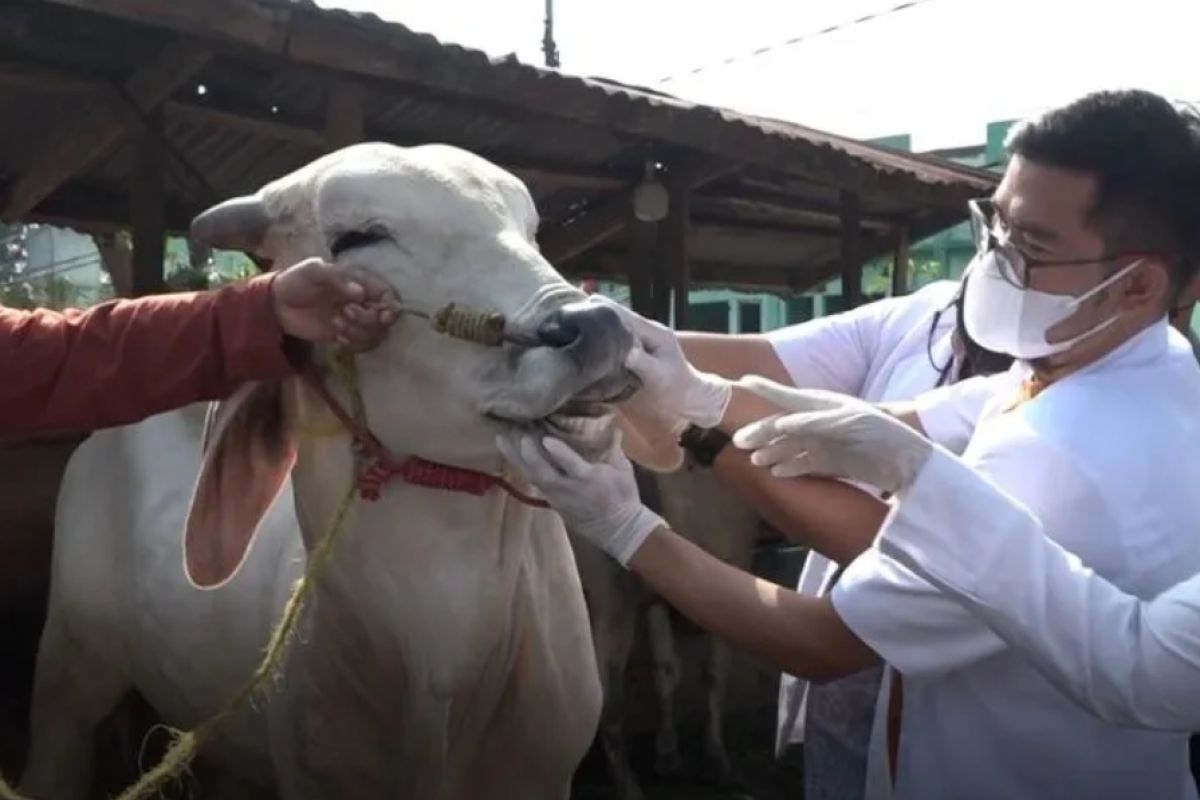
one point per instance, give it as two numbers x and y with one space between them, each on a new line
704 444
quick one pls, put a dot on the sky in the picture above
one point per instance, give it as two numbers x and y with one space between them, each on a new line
940 70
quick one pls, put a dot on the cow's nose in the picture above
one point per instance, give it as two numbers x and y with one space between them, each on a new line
579 322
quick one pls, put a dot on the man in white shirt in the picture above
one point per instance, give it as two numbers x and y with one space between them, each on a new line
1086 455
1129 661
887 351
1093 231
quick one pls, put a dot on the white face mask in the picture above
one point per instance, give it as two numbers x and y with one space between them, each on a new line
1006 319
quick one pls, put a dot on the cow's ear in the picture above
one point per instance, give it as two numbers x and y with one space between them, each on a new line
646 436
249 451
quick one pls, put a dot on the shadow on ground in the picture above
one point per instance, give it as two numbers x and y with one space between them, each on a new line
756 775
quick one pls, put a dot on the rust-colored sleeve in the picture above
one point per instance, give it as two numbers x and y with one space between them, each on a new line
125 360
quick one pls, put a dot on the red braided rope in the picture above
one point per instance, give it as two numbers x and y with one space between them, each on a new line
416 471
432 475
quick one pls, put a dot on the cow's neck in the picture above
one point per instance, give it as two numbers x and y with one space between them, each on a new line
421 581
407 524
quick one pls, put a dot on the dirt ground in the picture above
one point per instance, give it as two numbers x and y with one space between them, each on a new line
756 775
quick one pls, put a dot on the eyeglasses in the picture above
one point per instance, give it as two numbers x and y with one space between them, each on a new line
988 234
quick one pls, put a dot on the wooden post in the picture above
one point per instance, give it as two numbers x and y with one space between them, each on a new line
344 120
675 233
660 269
900 263
640 236
116 258
851 258
148 206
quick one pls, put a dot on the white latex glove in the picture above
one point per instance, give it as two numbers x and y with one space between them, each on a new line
598 501
830 434
673 386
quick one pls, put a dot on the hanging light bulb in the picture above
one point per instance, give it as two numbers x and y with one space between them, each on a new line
650 199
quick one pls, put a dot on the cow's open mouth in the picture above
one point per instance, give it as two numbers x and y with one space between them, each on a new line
596 401
593 402
586 421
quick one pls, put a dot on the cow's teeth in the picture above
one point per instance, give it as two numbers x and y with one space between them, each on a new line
585 434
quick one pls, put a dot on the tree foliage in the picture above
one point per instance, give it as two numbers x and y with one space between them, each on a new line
21 289
877 276
185 269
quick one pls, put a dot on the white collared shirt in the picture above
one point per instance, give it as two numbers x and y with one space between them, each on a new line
879 352
1130 661
1108 461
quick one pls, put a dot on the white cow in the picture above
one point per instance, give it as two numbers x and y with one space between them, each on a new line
446 652
698 505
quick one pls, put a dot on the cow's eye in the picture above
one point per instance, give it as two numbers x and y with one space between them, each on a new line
352 240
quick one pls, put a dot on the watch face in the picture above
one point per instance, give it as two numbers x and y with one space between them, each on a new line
703 445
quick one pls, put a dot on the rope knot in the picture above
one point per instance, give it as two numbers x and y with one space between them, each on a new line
372 480
482 327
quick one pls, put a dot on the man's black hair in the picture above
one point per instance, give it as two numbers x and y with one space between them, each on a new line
1145 154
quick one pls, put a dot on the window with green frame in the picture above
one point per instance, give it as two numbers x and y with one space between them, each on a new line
750 317
708 317
800 309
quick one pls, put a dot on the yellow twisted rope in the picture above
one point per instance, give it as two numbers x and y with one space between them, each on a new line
186 744
7 792
481 327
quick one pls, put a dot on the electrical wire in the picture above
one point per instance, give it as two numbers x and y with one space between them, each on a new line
795 40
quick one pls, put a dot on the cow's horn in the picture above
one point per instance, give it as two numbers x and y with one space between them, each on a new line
237 224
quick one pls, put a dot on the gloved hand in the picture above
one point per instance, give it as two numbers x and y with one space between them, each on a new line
671 384
829 434
597 501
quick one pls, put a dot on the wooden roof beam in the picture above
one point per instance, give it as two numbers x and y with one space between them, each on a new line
43 79
257 126
813 211
609 266
98 207
730 227
101 126
546 174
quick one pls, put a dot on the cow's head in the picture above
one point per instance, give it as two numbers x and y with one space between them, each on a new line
441 226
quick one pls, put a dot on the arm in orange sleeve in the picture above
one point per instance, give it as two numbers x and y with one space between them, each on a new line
125 360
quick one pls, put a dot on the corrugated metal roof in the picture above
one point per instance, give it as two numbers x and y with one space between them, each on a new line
264 113
923 168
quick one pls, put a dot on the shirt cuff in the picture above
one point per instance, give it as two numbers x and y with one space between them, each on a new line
251 337
869 599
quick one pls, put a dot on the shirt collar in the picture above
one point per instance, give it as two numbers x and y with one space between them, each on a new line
1147 344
